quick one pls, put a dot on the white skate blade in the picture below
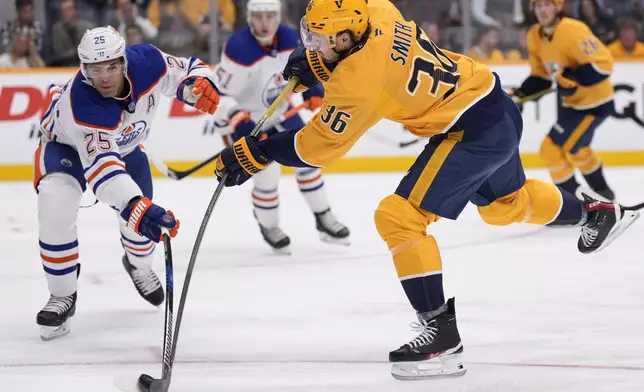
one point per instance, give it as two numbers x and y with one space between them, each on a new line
627 220
325 237
448 366
51 333
285 251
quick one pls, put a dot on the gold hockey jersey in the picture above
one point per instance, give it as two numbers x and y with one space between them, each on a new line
582 57
396 74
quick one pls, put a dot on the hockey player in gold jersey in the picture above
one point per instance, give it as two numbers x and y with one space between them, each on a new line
374 65
564 51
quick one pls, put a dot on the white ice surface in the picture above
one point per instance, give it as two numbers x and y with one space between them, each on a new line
534 314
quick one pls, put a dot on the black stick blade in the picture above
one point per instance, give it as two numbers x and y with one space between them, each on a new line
148 383
145 381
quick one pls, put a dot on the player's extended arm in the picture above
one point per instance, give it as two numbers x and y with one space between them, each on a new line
346 115
325 139
106 174
539 80
189 79
90 127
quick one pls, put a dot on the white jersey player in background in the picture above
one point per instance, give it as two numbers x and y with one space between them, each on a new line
250 74
90 138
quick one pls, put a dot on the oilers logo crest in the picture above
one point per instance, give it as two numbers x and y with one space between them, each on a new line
274 87
131 133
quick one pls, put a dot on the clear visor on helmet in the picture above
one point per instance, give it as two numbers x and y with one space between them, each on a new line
105 69
313 41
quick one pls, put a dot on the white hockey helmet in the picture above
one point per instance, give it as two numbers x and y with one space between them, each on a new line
101 44
264 6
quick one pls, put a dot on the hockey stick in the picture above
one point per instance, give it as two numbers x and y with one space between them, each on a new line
147 383
533 97
181 174
636 207
166 365
391 141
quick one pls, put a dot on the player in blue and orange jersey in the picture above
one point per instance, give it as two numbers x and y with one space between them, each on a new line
564 51
374 65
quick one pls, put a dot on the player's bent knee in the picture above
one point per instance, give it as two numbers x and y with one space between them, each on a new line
586 160
404 227
552 154
537 202
59 196
545 201
507 209
398 221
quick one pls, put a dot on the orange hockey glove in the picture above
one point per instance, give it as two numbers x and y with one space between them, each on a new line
314 97
148 219
315 103
200 93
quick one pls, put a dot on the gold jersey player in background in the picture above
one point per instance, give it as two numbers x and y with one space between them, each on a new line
564 51
377 65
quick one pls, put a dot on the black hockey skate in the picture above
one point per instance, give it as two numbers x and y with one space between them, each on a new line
330 229
54 317
605 195
146 282
277 239
438 340
606 221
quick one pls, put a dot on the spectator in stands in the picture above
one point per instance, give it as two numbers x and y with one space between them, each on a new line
569 9
127 14
133 35
523 13
24 23
101 12
486 48
292 12
446 15
177 35
627 46
194 11
479 14
450 14
615 8
433 33
602 25
66 34
23 53
204 28
520 53
142 5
